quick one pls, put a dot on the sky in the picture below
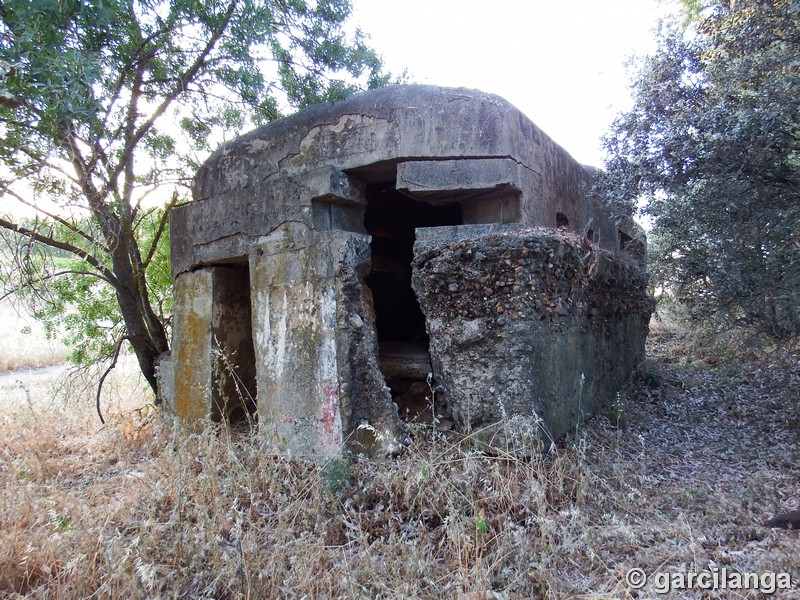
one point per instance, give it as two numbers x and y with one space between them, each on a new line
561 62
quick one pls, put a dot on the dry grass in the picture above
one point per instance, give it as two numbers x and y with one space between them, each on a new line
142 508
20 350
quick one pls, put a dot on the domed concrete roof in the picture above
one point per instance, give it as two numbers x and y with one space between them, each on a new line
386 124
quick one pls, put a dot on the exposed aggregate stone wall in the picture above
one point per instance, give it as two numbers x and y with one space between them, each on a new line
529 322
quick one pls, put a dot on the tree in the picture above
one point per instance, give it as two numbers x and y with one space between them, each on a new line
105 101
713 145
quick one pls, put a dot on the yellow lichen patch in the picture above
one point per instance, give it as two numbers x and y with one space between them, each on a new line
192 347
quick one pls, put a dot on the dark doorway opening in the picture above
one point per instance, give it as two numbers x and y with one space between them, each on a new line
391 218
235 378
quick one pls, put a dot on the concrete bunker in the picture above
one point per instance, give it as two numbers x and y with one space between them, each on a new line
349 258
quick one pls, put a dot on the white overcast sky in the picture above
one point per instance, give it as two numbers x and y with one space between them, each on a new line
561 62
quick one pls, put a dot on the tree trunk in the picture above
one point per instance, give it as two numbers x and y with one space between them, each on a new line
147 343
145 331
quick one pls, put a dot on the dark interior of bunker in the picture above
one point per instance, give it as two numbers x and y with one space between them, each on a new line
391 218
235 385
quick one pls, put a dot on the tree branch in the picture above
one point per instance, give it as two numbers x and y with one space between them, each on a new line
144 52
109 223
130 127
105 374
38 163
53 243
43 278
162 224
57 219
180 86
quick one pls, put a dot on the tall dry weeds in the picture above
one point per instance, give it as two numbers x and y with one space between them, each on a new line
144 508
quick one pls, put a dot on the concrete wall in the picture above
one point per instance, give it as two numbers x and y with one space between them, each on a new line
527 322
472 140
277 245
320 386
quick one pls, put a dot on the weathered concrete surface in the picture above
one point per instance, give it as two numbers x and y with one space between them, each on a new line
305 228
527 322
489 190
225 228
474 141
320 387
193 307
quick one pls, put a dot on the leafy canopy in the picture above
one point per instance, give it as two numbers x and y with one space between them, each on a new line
713 145
103 102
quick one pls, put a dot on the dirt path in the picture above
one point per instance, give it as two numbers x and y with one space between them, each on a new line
30 376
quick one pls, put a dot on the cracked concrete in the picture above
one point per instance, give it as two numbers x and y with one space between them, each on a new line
321 210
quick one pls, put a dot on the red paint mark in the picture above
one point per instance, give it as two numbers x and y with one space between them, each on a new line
330 412
329 422
330 391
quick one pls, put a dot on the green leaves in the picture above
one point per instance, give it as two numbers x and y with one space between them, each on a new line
99 71
103 102
712 143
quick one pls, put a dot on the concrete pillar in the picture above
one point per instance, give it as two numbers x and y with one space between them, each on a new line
319 385
191 351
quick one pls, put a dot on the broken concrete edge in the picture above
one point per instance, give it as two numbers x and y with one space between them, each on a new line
525 326
547 246
272 203
309 300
